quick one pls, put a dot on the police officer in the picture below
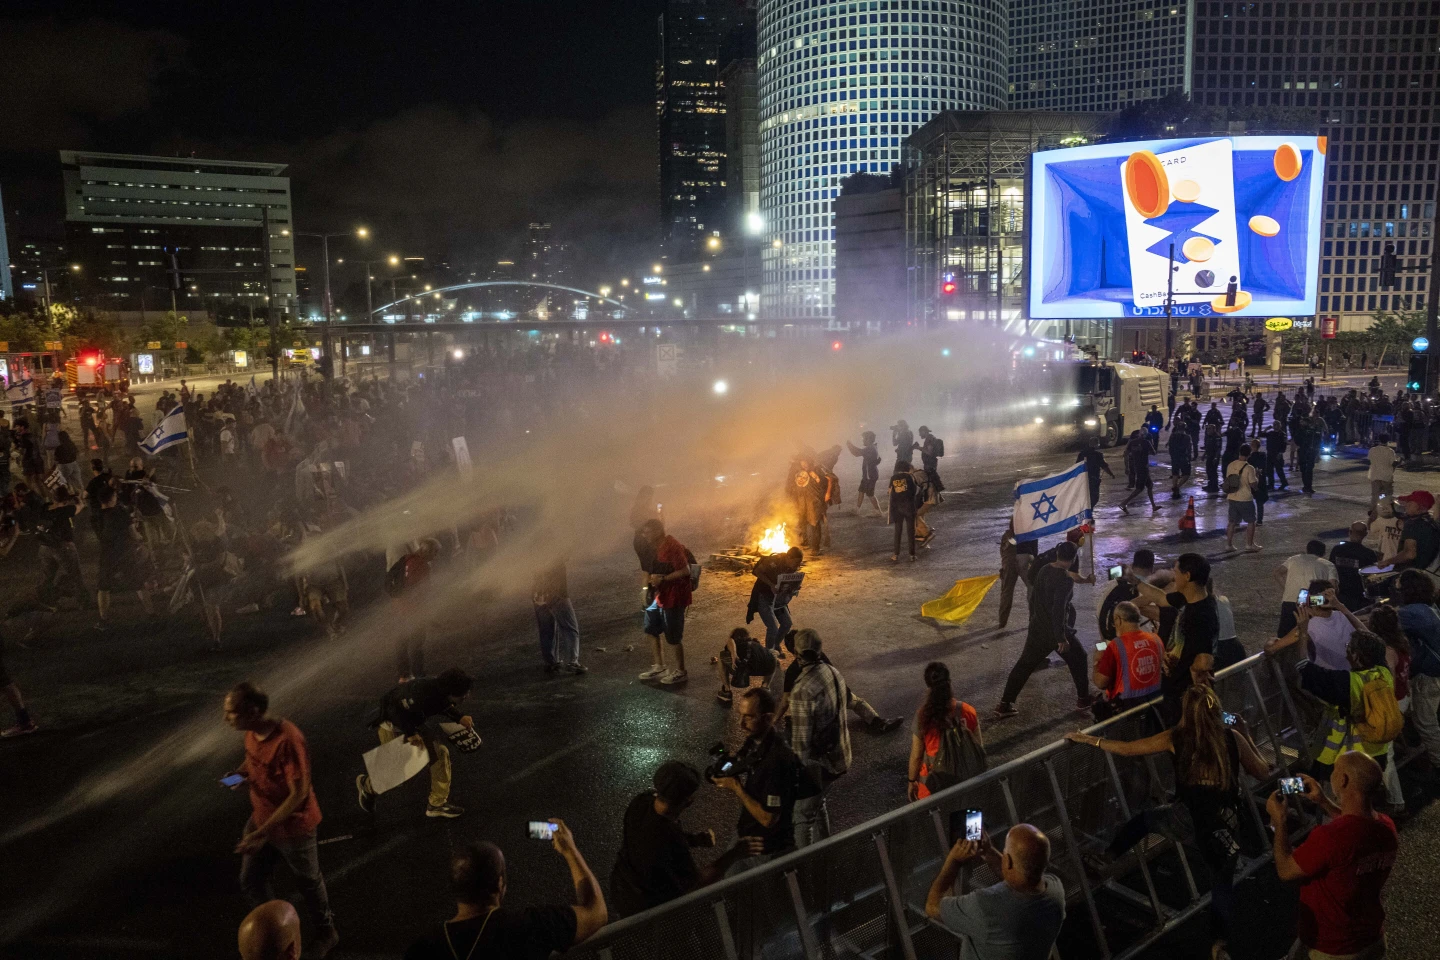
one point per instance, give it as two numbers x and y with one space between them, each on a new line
1128 669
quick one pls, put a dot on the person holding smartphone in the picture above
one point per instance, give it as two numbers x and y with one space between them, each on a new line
1323 626
1017 918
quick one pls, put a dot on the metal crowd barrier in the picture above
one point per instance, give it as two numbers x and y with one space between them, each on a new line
861 893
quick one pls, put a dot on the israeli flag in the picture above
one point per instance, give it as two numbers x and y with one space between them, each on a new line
20 393
168 432
1052 505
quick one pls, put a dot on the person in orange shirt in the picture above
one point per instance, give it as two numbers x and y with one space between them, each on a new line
939 711
1128 670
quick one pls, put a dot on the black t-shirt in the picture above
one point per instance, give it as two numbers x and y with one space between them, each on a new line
768 568
1427 542
532 933
1122 590
1348 557
752 660
1050 593
114 534
772 780
57 527
902 495
96 487
654 865
1197 628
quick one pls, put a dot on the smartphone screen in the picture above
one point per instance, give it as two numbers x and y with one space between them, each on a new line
1228 719
1304 598
974 825
1318 600
1117 571
1100 646
1291 786
234 780
540 830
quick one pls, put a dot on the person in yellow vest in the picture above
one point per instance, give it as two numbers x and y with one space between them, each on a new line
1361 710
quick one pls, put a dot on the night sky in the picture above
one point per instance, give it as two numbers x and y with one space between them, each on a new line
444 126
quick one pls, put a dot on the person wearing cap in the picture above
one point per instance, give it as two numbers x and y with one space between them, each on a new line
655 864
819 733
931 448
1419 535
869 456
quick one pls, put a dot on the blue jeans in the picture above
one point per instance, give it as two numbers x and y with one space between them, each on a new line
559 632
303 858
811 820
777 624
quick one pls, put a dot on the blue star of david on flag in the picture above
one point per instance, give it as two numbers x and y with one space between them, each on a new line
1045 507
1051 505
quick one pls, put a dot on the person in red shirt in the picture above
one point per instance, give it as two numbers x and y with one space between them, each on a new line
939 711
668 592
1128 669
1342 865
403 584
283 810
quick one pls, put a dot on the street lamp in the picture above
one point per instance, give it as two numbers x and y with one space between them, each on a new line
324 238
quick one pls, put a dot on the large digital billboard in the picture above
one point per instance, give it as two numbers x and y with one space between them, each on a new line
1240 215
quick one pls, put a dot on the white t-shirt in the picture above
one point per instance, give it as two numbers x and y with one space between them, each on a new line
1382 462
1331 635
1249 480
1300 570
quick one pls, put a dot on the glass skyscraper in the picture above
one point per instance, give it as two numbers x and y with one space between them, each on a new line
841 85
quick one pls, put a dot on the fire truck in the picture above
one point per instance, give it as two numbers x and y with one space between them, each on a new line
91 373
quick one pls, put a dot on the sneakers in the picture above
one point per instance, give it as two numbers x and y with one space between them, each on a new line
673 677
1083 704
577 668
364 795
326 940
447 810
882 725
20 730
656 671
1005 711
725 696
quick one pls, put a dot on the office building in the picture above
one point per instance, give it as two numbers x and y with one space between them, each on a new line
7 287
965 179
542 260
1367 74
141 226
690 110
1101 55
870 253
739 78
841 85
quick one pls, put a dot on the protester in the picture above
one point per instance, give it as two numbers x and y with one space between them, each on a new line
1382 469
123 563
1362 712
270 932
1322 631
655 864
768 780
1342 866
1276 443
1015 559
1128 670
867 714
932 448
1213 441
283 810
869 456
555 617
1142 567
819 734
1181 465
1349 557
1095 464
903 440
484 927
1421 623
1051 629
1298 572
767 600
1137 468
939 718
24 722
1241 482
1190 646
1419 534
405 711
1018 918
743 662
1208 759
669 578
1384 622
904 501
402 582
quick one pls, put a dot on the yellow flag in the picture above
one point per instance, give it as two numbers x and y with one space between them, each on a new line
957 605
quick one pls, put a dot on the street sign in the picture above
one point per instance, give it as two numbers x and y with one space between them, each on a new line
1419 344
667 361
4 346
1328 326
153 345
1279 324
180 344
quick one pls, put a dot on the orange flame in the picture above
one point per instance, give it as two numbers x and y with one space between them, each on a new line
773 540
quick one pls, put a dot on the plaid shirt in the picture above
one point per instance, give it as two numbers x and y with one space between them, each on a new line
817 700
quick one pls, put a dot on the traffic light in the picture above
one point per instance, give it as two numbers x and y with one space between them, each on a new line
1387 266
948 286
1419 366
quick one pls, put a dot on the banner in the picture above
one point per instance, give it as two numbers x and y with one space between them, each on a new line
168 432
1052 505
962 600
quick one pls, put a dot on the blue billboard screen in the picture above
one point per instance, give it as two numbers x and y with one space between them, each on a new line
1239 215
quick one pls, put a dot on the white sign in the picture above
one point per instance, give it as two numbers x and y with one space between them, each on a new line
462 455
667 360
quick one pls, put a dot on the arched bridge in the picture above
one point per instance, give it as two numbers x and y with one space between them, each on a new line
498 283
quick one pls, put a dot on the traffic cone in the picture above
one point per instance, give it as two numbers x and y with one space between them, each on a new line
1187 522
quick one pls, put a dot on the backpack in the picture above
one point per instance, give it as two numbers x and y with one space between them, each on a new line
939 446
694 569
959 758
1380 720
1233 481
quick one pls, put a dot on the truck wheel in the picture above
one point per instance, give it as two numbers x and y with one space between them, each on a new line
1112 434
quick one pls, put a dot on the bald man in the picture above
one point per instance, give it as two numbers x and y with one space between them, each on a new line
1342 866
1017 918
270 932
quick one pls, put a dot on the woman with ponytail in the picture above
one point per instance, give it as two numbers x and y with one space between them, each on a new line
940 712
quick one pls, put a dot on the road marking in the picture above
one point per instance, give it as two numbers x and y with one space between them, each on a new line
364 858
544 762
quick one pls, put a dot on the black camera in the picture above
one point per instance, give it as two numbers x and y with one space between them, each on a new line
723 763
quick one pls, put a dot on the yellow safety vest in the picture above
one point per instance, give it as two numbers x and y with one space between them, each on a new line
1339 734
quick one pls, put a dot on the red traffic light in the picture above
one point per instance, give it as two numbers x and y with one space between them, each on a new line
837 345
948 287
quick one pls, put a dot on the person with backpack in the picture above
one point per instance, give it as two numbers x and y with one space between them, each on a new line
671 579
946 746
819 734
1361 710
904 499
1208 757
1241 482
402 582
869 455
932 448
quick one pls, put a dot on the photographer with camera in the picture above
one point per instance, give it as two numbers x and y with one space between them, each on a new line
655 864
766 777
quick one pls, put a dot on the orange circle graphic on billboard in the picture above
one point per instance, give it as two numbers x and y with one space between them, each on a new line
1198 249
1265 226
1146 184
1242 300
1288 162
1186 191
